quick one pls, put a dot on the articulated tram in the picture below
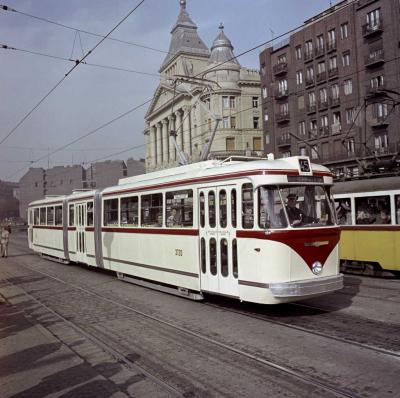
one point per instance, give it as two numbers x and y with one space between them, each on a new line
368 213
217 227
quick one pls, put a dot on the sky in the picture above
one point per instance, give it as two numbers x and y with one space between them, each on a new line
92 96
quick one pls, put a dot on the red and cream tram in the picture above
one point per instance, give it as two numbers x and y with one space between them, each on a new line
262 231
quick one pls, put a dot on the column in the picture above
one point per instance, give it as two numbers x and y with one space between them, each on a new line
159 144
186 131
152 144
165 140
178 128
171 127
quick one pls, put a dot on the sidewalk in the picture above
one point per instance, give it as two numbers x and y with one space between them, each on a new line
34 363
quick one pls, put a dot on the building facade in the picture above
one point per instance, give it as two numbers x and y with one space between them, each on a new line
330 90
197 87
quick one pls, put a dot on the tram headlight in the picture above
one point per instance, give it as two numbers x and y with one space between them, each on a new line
316 268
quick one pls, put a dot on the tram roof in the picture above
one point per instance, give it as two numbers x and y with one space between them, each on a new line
367 185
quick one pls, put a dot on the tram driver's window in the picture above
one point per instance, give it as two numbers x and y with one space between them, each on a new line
89 214
71 221
152 210
129 212
179 208
247 206
111 212
270 209
58 215
397 208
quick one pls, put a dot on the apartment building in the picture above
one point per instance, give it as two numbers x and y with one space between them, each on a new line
331 89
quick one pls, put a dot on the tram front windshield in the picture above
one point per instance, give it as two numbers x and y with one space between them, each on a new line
298 206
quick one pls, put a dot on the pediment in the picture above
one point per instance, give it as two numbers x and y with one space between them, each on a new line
163 95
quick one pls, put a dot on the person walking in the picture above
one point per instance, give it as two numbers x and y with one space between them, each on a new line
4 238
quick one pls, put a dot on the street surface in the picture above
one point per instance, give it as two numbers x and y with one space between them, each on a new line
71 331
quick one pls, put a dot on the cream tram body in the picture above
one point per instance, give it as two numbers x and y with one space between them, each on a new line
211 227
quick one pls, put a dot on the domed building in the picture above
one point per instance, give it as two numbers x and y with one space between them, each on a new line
197 89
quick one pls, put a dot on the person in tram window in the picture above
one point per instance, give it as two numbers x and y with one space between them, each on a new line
296 215
159 220
383 217
174 218
248 217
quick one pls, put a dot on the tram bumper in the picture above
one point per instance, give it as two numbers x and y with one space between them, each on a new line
307 288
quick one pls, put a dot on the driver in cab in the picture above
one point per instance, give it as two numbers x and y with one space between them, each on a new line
296 216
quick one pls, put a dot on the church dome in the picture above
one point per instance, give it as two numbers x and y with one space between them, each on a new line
222 49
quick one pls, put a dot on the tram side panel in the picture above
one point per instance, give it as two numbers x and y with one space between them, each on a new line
49 241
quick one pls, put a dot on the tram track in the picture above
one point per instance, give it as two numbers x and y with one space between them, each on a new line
299 376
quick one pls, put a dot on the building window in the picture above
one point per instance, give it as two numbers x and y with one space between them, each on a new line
373 18
323 95
256 122
232 102
332 38
265 117
255 102
311 99
381 110
300 102
282 86
348 87
233 122
320 43
332 63
344 30
299 77
303 151
377 81
267 139
286 154
314 152
321 67
302 128
225 122
350 115
284 108
346 58
350 146
230 143
313 128
309 48
257 144
310 73
228 102
264 92
324 121
381 143
282 59
298 52
335 91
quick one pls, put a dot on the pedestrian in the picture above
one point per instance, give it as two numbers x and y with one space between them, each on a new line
4 238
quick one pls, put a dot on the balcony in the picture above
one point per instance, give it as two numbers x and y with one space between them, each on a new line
280 68
379 121
311 108
281 94
331 46
332 73
322 104
310 81
324 131
321 77
282 117
374 58
313 134
285 140
336 128
335 101
375 91
370 29
308 56
319 51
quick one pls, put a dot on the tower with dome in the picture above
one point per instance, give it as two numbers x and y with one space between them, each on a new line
197 84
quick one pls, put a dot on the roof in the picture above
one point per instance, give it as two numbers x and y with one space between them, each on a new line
222 49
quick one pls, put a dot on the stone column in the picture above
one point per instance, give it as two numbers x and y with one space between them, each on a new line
186 131
159 145
152 144
172 155
178 128
165 140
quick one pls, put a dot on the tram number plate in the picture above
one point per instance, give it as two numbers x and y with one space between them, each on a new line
179 252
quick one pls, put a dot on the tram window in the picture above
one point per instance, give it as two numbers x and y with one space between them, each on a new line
247 206
71 221
213 256
89 214
203 255
50 215
202 210
270 213
211 209
397 203
151 210
58 215
42 216
343 211
233 208
130 211
373 210
111 212
224 257
36 217
234 259
179 208
223 209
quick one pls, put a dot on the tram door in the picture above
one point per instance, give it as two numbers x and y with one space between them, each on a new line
80 222
218 249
